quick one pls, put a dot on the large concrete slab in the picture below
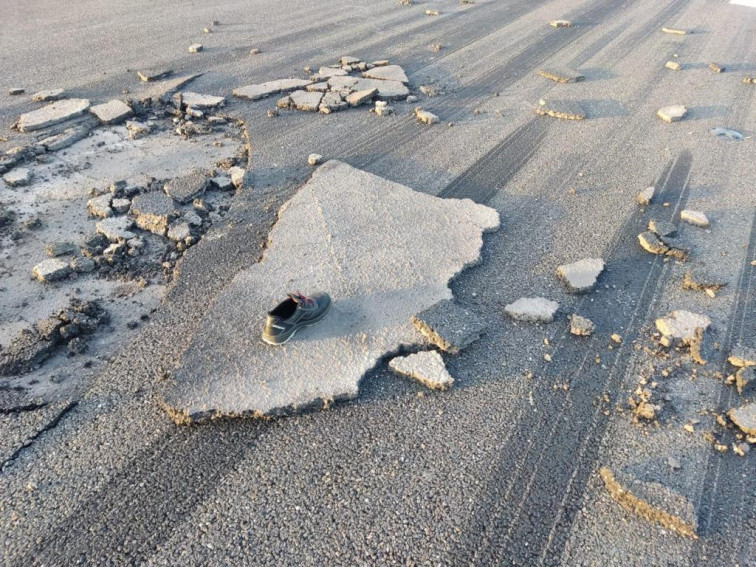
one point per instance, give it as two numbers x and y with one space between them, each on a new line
355 236
52 114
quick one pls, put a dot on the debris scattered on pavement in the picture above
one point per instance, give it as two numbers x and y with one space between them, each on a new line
741 356
51 270
680 326
382 108
698 280
425 117
696 218
137 129
54 113
727 134
427 367
314 159
716 68
561 75
655 244
672 113
581 326
745 418
674 31
48 95
184 188
673 65
112 112
195 48
560 23
18 177
563 109
532 309
449 326
652 501
581 276
745 380
644 197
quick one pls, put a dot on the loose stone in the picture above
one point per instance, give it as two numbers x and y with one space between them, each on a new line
426 367
581 276
644 197
696 218
533 309
672 113
581 326
425 117
673 65
51 270
314 159
55 249
195 48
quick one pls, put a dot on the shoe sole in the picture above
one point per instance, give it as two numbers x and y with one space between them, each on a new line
294 332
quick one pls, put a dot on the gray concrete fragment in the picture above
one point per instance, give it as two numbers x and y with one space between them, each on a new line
192 218
48 95
112 112
186 187
55 249
561 75
672 113
449 326
342 83
179 231
681 325
100 206
696 218
387 73
332 235
387 90
164 90
662 228
581 326
358 98
673 65
581 276
349 60
741 356
256 92
563 109
115 229
745 418
201 101
332 102
644 197
51 270
19 177
314 159
317 87
305 100
153 211
699 280
652 243
426 367
532 309
65 139
154 74
54 113
120 205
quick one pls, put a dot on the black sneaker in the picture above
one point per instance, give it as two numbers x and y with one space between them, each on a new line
293 314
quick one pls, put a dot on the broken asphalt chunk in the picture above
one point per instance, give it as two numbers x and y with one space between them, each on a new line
652 501
561 75
654 244
201 101
256 92
149 75
742 356
745 380
359 98
184 188
153 211
304 100
51 270
532 309
672 113
662 228
48 95
562 109
19 177
65 139
54 113
112 112
387 73
716 68
425 117
581 276
115 229
696 218
195 48
673 65
697 280
644 197
426 367
745 418
581 326
680 326
449 326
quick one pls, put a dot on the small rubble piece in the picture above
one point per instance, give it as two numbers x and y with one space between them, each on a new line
673 65
449 326
314 159
100 206
560 23
55 249
200 101
532 309
153 211
745 418
563 109
237 176
254 51
742 356
654 244
429 90
662 228
112 112
745 380
222 183
304 100
332 102
149 75
425 117
116 229
195 48
54 113
186 187
652 501
426 367
716 68
120 205
18 177
561 75
680 326
696 218
137 129
34 345
51 270
387 73
432 13
68 137
82 265
382 108
179 231
317 87
674 31
749 80
698 280
581 326
256 92
727 134
581 276
359 98
48 95
16 91
672 113
645 196
435 47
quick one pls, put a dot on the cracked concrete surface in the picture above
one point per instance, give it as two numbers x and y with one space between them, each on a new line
381 250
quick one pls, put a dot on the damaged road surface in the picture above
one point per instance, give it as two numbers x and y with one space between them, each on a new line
353 235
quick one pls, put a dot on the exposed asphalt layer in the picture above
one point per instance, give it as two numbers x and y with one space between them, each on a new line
502 468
